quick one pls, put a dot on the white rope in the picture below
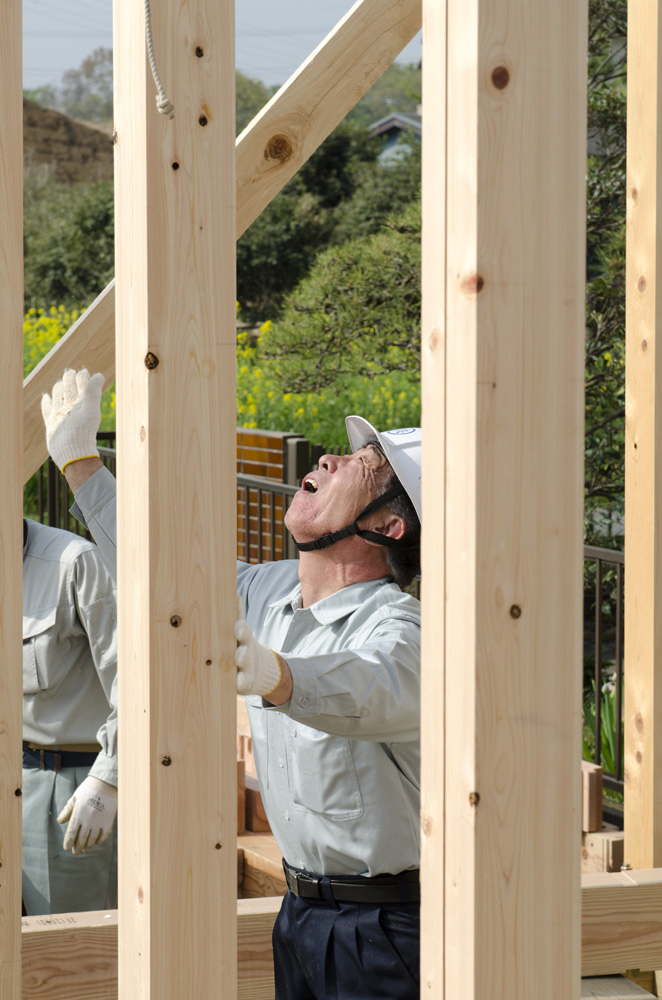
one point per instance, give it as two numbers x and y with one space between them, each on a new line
163 103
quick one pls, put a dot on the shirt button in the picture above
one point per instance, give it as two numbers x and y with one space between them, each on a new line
305 702
280 761
287 815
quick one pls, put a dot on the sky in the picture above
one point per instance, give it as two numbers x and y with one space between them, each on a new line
272 36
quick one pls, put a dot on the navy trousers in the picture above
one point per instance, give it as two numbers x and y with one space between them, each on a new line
346 951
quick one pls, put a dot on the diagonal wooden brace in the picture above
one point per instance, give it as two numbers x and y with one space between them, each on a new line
269 152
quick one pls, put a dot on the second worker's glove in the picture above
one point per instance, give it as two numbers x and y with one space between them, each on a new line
90 811
258 669
72 414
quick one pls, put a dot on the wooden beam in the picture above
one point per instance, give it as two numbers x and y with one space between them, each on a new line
433 549
591 797
503 186
175 265
73 956
317 97
602 850
643 442
89 343
621 922
11 430
269 152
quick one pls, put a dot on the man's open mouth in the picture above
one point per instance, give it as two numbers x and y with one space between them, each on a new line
310 485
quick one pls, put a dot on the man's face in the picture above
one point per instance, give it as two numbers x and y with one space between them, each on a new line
331 498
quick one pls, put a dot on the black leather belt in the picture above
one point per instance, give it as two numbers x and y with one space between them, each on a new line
402 888
55 760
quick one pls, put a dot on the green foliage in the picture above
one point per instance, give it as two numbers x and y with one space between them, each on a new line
251 96
276 251
608 724
68 241
41 331
279 248
87 92
356 314
45 96
42 328
333 172
605 300
398 89
387 400
379 192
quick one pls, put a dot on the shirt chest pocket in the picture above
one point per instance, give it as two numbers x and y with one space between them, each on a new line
38 643
321 774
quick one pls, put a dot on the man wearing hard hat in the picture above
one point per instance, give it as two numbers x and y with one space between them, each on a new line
328 658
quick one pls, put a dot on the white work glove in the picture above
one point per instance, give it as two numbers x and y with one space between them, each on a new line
90 811
258 669
72 415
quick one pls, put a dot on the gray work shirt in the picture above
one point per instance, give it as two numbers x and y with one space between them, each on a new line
69 646
339 764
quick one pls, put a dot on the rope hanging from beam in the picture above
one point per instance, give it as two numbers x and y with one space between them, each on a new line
163 103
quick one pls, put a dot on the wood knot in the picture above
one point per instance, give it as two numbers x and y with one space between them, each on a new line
644 345
435 340
426 826
641 284
515 611
639 722
500 77
279 148
472 284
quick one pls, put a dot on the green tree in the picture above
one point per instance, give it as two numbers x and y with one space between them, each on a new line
280 247
356 314
605 299
45 96
251 96
68 241
87 92
398 89
379 192
277 249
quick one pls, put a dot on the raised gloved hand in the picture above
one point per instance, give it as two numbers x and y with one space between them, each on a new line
90 811
72 414
258 669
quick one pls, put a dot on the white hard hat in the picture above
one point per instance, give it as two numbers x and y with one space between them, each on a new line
402 448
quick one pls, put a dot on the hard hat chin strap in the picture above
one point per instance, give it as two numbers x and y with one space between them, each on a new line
324 541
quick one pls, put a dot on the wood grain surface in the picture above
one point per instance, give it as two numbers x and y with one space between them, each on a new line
504 157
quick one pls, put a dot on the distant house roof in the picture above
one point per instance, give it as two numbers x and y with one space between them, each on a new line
399 121
391 129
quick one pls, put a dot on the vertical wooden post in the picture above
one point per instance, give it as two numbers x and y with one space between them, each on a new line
643 444
504 97
11 461
175 264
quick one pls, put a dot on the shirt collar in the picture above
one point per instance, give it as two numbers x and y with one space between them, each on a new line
339 605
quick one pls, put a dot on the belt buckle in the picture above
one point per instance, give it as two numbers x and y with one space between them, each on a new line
301 878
